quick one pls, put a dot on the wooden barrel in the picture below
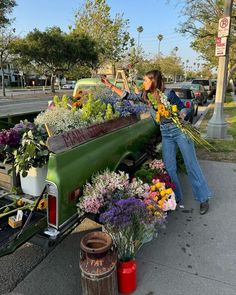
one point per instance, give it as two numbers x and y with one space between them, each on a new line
98 265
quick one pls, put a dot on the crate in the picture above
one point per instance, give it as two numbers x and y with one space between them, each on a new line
7 181
13 223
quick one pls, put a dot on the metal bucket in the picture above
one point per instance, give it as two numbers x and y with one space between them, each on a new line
98 264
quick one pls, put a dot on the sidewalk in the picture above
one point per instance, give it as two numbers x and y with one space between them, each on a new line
194 255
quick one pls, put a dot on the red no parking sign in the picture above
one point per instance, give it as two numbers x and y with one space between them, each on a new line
223 28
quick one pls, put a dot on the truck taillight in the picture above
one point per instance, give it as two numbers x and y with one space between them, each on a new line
187 104
52 210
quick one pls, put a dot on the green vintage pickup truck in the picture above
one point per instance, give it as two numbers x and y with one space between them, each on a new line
75 156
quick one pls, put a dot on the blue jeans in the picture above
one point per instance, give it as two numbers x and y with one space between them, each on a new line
172 137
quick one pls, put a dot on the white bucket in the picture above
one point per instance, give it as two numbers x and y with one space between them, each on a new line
34 183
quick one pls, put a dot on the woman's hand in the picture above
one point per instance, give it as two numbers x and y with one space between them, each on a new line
105 81
182 115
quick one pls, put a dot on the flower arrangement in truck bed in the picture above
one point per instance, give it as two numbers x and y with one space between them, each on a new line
87 109
64 117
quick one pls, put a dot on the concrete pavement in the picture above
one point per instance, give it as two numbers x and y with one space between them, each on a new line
194 255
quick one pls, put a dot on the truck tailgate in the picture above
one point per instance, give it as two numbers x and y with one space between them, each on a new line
10 238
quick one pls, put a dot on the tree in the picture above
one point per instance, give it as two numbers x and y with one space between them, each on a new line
201 23
6 7
55 51
139 30
171 66
6 38
159 38
111 35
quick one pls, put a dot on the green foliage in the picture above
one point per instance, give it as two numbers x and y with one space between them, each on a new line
111 35
47 50
145 174
6 7
201 23
61 103
96 111
32 152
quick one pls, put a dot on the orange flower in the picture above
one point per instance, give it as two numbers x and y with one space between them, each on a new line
158 117
166 114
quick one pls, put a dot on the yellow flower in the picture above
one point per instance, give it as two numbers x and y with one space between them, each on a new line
158 117
153 188
169 191
158 185
174 108
163 192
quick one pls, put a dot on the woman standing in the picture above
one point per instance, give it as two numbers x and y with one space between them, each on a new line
172 136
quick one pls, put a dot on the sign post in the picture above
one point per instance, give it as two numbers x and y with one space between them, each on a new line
217 127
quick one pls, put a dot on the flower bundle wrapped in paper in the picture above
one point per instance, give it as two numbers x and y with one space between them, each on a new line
169 111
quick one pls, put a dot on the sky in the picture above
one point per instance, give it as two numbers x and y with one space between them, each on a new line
155 16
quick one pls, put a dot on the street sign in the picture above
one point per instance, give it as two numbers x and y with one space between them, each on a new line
223 28
221 46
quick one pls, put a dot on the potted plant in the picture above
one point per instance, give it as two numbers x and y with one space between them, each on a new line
30 160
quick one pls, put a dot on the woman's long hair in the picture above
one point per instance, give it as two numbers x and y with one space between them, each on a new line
157 83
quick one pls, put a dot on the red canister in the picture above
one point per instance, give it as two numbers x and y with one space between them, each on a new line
127 276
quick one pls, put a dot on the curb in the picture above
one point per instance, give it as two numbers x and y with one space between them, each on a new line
198 123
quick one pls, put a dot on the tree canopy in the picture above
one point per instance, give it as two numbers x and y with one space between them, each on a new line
55 51
6 7
201 23
111 35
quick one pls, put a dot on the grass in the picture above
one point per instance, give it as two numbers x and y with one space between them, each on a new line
225 149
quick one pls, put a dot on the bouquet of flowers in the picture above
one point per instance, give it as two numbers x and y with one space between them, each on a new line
125 221
165 109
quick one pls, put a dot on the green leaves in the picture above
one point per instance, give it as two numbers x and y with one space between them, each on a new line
110 35
6 7
32 152
55 51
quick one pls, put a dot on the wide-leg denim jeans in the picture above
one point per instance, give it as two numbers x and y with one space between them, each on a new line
172 137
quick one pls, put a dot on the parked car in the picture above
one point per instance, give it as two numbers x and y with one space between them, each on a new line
199 92
189 100
69 85
208 84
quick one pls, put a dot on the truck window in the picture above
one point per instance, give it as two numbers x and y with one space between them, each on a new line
202 82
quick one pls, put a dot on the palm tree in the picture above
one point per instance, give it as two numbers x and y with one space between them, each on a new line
176 48
160 38
140 30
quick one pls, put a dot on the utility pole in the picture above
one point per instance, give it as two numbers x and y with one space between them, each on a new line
217 127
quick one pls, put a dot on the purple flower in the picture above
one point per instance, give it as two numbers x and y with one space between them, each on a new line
10 137
123 212
20 127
